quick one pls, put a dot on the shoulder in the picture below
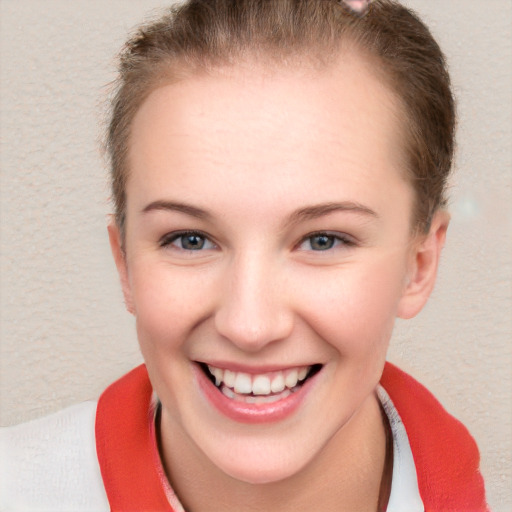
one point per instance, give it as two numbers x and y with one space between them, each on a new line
445 455
51 464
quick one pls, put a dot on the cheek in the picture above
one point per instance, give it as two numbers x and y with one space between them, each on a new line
168 304
356 306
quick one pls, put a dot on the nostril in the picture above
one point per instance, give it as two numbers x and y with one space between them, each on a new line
252 328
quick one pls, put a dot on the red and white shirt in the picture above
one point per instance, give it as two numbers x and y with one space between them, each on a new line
102 456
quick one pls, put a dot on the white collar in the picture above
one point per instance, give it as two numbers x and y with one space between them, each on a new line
405 495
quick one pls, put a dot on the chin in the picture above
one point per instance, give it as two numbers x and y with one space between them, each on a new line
260 475
262 464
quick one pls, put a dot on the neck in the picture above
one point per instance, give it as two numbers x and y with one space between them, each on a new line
352 472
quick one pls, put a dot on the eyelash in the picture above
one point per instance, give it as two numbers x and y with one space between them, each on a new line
343 239
334 237
168 239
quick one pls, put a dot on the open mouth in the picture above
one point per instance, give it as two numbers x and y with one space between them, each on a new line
259 388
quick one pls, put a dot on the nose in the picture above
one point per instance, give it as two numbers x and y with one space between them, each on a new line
253 310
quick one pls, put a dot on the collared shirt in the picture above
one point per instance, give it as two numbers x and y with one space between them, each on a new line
101 456
50 464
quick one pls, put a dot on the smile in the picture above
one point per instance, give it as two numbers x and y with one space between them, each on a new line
259 388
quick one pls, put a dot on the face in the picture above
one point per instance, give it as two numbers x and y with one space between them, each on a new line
267 253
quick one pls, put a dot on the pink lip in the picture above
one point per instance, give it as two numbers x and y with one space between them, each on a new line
252 370
252 413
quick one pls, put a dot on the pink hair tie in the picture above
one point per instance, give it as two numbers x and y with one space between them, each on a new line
357 6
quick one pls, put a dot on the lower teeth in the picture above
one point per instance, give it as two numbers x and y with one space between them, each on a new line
251 399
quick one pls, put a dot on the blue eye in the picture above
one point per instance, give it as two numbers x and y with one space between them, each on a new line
324 242
187 241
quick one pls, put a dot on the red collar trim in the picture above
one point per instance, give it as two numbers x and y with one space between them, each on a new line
124 446
445 454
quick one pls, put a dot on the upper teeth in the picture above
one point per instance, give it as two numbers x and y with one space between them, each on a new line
259 384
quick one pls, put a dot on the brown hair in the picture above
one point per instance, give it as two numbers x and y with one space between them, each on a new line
199 35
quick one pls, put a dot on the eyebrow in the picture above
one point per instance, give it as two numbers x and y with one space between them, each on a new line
301 215
172 206
319 210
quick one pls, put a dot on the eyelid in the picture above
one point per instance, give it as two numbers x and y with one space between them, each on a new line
167 239
346 239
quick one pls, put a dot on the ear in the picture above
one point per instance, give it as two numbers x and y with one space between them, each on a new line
423 264
116 245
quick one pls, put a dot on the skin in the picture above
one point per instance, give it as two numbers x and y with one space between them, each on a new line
358 6
251 147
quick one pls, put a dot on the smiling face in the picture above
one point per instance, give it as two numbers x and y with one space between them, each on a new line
267 238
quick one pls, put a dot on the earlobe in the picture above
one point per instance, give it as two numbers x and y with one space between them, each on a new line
119 255
424 262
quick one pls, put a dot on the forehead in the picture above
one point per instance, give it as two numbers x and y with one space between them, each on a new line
268 128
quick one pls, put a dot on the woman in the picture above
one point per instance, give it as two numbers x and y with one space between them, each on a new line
278 173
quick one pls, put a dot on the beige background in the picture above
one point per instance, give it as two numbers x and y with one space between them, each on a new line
64 332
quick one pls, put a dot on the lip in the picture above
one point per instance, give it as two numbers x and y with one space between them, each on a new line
252 413
251 370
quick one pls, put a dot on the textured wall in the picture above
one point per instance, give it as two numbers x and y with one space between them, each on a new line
64 332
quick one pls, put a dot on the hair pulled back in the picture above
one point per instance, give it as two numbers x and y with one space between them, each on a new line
199 35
